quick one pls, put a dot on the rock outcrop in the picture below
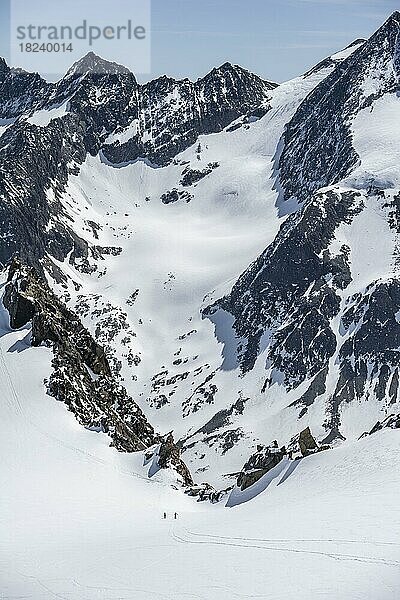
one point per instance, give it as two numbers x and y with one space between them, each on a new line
303 444
259 463
391 422
267 457
318 147
204 492
81 376
169 456
270 296
106 112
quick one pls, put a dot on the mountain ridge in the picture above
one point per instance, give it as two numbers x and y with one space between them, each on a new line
226 355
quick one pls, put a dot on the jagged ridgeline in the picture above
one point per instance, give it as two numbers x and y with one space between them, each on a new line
299 293
108 113
81 375
111 115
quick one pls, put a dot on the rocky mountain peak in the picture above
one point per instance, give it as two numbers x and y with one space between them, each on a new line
227 71
387 36
227 68
292 304
4 68
318 148
318 168
166 106
356 42
92 63
393 20
19 90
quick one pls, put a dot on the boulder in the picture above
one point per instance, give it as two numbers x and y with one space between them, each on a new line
263 460
303 444
204 492
169 456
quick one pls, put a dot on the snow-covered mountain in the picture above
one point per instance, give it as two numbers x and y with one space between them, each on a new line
142 205
321 302
82 521
206 274
231 243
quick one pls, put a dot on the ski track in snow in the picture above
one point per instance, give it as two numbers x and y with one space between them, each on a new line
97 532
273 547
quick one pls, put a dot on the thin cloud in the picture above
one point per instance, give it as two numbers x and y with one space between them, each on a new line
322 32
230 34
347 2
238 34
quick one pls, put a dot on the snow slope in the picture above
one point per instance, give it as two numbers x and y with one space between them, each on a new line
42 118
180 257
78 520
82 522
375 134
144 302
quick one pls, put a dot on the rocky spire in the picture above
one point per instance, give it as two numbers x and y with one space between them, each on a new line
92 63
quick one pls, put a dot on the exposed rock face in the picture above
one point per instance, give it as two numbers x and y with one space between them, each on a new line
318 149
275 287
166 107
262 461
302 444
289 302
192 176
211 430
19 91
107 111
332 61
391 422
169 456
206 493
292 304
37 161
81 377
370 356
267 457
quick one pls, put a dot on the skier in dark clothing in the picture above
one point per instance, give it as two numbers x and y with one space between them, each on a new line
175 515
165 515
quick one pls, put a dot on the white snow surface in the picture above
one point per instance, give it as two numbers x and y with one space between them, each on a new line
42 118
346 52
376 131
79 521
183 256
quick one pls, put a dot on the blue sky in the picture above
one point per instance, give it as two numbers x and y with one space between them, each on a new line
276 39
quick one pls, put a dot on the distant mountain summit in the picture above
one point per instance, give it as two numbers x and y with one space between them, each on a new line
92 63
318 149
